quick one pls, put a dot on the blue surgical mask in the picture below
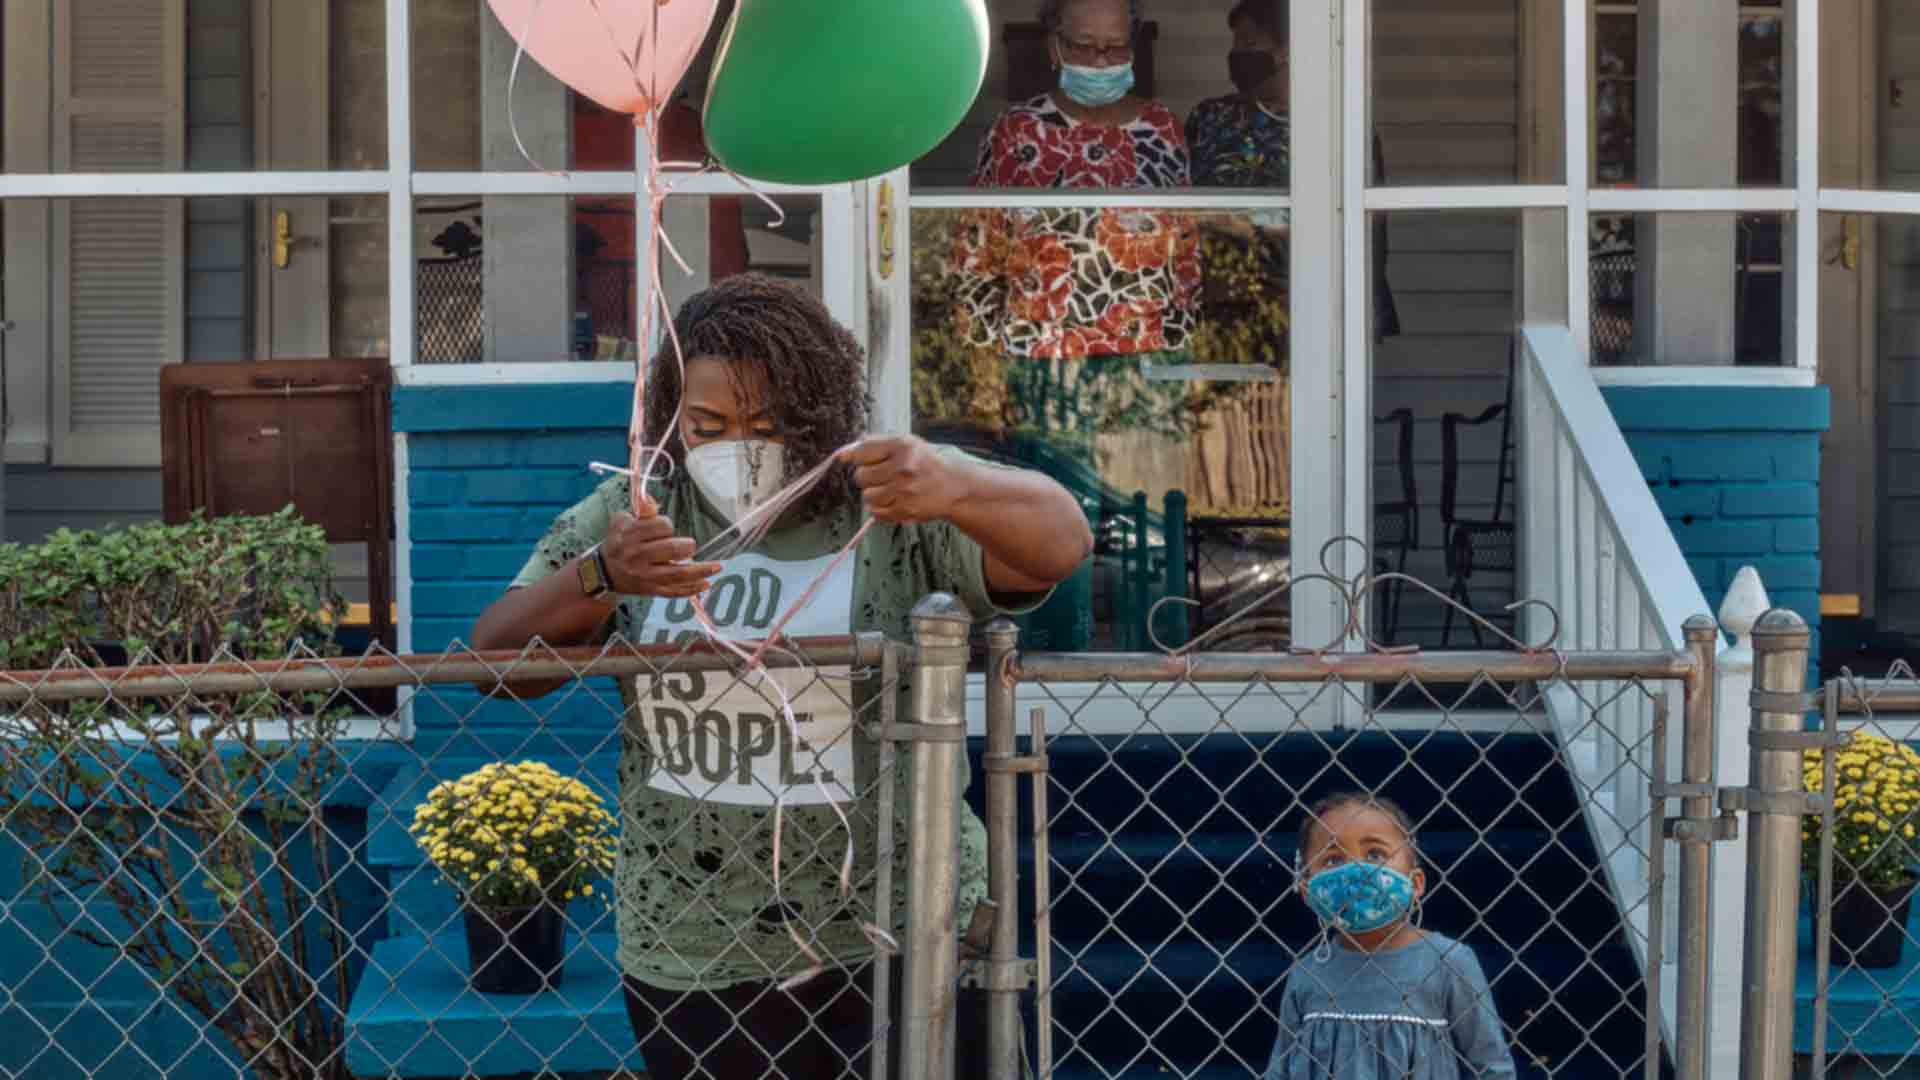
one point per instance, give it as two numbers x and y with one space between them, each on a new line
1358 897
1096 86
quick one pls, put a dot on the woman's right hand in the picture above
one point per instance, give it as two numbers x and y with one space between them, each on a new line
645 558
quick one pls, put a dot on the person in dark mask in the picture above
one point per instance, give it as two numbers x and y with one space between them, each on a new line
1242 140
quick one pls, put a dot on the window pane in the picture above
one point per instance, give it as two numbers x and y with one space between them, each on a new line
1661 286
1704 151
1456 88
1444 470
1613 97
462 68
563 285
203 86
1185 122
1139 357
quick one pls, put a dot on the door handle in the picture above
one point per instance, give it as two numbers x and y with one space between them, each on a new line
1848 257
282 239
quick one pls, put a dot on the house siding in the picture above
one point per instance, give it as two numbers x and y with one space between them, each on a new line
1736 470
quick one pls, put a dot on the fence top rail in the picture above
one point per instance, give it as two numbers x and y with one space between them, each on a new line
1358 667
1854 695
380 669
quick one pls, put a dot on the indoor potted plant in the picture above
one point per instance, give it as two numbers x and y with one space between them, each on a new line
1876 797
518 842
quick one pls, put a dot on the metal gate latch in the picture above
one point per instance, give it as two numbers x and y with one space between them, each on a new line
1698 830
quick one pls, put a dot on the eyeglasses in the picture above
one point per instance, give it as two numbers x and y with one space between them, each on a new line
1092 52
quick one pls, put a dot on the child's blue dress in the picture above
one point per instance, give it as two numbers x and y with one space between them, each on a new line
1420 1012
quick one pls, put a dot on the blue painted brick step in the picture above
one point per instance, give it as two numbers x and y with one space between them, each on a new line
415 1016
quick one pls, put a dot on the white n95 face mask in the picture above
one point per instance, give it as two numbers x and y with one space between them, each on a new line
738 475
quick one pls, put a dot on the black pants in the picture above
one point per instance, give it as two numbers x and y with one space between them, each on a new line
820 1030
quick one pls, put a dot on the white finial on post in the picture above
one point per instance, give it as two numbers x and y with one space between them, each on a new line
1746 601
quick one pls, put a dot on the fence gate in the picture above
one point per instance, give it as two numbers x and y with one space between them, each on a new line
1148 889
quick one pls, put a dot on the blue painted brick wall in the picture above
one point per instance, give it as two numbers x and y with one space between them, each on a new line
1737 472
489 468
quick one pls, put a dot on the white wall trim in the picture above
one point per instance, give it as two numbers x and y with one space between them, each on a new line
623 182
581 371
1700 375
1356 302
1158 199
190 184
1576 134
1801 49
1477 197
1692 200
403 573
402 322
1855 201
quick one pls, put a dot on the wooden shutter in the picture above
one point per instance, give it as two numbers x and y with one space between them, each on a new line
118 264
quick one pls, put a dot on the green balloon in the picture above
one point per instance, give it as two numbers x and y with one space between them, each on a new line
826 91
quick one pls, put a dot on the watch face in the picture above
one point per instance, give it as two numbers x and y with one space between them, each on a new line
591 581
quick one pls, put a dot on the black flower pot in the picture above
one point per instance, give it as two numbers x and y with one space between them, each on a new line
1869 924
516 950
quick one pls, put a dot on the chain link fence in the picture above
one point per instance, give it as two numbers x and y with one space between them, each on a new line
248 868
1175 863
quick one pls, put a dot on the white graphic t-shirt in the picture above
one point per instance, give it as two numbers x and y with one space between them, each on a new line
728 739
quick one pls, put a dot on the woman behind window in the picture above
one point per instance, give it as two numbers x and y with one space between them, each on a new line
1243 140
1071 284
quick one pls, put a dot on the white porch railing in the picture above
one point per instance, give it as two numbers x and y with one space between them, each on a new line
1594 544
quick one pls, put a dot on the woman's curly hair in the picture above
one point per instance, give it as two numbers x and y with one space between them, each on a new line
815 371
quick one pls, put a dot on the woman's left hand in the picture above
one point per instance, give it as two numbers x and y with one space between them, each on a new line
904 480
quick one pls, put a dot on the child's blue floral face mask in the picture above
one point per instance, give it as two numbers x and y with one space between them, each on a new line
1357 897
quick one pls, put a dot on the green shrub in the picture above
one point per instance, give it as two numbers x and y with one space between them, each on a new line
176 593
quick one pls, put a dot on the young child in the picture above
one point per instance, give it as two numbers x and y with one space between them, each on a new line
1379 997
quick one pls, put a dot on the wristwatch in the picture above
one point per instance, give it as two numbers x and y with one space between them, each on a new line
595 581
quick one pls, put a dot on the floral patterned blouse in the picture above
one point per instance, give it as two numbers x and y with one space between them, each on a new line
1065 283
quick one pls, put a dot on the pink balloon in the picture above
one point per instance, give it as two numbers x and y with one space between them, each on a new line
628 55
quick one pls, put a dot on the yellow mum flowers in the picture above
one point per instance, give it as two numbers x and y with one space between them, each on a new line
512 835
1877 787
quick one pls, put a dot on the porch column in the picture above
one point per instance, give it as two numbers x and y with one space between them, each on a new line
1687 137
528 240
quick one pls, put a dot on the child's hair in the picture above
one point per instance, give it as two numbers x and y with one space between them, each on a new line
1318 812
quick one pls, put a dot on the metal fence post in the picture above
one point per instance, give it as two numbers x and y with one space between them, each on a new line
1005 974
1774 804
1692 1020
931 963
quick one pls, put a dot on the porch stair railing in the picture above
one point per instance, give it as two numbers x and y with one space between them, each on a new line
1596 546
